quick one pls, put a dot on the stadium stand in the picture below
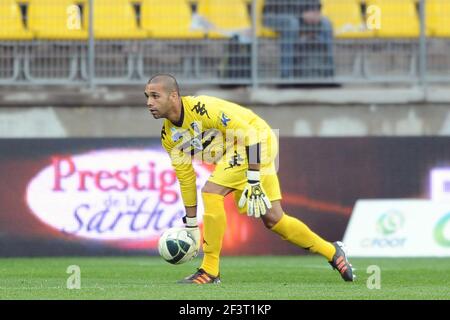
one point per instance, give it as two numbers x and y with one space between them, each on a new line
12 30
398 19
116 20
169 20
226 17
56 20
46 41
233 17
347 18
11 22
438 18
261 30
60 30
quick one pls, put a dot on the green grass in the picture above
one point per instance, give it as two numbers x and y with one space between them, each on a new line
263 278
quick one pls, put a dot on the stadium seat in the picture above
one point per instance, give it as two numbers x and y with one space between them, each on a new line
56 20
438 18
399 18
232 16
11 25
116 20
262 30
227 17
347 18
168 19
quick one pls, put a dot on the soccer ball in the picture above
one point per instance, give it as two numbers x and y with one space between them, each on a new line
177 246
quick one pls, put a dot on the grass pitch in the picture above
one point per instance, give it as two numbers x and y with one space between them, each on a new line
243 278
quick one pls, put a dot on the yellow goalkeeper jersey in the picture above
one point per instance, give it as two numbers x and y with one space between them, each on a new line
203 132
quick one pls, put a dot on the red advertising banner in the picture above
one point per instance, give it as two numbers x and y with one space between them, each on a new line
94 197
117 196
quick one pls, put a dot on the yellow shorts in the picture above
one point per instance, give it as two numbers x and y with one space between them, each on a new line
231 170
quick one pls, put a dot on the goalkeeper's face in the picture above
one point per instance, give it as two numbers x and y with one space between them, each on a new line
160 102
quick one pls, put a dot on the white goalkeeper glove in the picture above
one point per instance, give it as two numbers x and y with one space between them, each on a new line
192 229
258 203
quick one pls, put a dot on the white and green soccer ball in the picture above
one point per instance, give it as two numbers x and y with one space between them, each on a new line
177 246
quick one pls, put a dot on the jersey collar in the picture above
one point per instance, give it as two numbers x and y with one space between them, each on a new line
179 123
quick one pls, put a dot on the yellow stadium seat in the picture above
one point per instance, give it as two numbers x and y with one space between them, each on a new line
262 31
56 19
438 18
11 25
168 19
398 18
116 19
227 17
346 18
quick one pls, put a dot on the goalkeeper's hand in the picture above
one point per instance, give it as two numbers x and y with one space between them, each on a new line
258 203
192 229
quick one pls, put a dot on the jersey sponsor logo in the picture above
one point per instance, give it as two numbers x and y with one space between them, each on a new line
200 109
199 142
224 119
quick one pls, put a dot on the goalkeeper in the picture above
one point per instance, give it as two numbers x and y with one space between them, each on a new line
243 147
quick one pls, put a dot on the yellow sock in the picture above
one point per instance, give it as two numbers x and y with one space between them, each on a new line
214 224
296 232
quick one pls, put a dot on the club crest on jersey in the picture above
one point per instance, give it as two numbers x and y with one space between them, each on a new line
224 119
176 135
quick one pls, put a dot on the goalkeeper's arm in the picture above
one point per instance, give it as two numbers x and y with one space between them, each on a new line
190 221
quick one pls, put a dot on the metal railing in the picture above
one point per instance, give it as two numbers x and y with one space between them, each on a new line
235 42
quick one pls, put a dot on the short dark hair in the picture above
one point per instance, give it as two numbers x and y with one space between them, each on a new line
168 81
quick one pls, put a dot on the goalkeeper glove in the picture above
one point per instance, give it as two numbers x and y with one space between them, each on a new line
192 229
258 203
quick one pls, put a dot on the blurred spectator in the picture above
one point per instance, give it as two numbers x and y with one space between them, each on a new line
306 37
